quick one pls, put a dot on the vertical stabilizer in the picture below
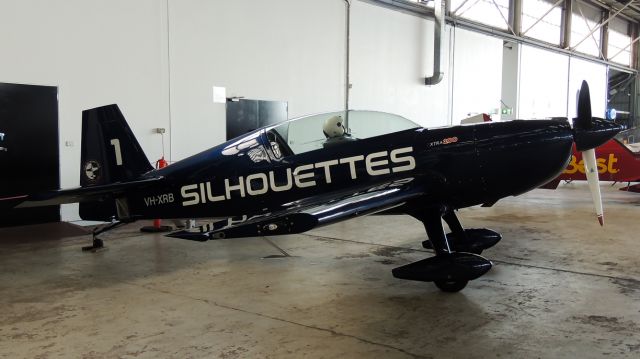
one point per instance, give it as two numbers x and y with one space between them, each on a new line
110 151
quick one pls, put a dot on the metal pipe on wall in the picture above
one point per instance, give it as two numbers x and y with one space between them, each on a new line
347 83
438 36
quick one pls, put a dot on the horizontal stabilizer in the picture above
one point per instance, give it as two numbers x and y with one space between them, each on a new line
10 202
197 236
84 194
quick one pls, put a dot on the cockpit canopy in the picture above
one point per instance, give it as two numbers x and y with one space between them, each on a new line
313 132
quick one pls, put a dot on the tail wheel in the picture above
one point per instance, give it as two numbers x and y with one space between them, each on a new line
451 286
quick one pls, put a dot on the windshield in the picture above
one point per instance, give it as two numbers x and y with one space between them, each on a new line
319 131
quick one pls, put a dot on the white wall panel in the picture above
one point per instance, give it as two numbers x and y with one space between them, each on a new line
392 53
543 83
97 53
549 83
287 50
477 74
596 76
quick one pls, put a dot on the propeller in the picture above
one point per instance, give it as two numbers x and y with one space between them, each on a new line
591 170
584 122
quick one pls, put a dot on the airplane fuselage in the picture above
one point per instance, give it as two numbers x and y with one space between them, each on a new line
458 166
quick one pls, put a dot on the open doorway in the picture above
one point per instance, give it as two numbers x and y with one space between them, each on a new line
29 159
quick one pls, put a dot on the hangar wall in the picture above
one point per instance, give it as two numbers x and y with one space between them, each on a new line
538 98
596 75
96 53
287 50
294 50
158 59
391 54
477 75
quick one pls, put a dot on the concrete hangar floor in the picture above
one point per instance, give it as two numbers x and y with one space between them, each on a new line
561 287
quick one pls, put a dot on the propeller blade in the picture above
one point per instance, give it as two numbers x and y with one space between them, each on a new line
591 170
583 120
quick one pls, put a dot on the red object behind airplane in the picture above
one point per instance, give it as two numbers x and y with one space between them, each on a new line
616 162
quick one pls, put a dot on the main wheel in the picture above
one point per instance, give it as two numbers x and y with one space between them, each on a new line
451 286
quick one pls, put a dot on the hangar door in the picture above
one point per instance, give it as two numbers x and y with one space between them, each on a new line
28 149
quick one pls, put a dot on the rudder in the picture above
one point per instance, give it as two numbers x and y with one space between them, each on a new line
110 153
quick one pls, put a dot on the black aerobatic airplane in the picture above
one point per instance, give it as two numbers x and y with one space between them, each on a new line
312 171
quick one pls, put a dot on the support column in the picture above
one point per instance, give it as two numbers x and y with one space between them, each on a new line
634 120
510 90
515 16
604 35
634 47
565 28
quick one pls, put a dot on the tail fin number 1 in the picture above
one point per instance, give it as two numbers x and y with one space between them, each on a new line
116 147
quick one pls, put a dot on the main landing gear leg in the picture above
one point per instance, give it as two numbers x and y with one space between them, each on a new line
98 244
450 217
433 224
473 240
449 270
432 221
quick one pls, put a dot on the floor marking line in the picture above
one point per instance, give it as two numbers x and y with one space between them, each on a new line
331 331
633 280
284 253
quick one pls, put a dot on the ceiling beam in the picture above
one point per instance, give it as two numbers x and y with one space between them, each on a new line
601 24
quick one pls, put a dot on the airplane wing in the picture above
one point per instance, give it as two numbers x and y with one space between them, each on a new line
73 195
310 215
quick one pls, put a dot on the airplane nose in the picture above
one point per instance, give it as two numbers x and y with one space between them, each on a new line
599 132
590 132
